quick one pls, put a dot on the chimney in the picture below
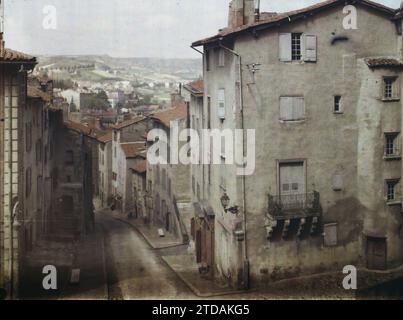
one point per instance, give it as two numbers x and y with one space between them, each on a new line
243 12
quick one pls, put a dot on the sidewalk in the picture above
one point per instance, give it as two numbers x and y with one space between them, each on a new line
149 233
186 268
87 254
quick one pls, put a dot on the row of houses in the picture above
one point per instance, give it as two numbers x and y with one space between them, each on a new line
45 172
324 104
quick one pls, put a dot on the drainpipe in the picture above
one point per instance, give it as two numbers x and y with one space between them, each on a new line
246 261
13 224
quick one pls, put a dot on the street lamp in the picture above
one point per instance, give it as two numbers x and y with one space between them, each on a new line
225 201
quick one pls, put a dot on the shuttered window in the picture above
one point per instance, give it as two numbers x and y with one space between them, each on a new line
292 108
310 48
285 47
221 104
297 47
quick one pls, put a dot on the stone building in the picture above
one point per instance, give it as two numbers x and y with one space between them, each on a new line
73 210
139 187
202 224
13 88
36 130
324 100
129 154
129 131
105 169
169 183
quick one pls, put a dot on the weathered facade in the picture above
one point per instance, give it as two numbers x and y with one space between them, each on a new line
169 183
13 89
326 189
132 131
139 187
105 169
128 155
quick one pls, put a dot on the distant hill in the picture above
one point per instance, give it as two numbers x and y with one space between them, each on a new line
149 68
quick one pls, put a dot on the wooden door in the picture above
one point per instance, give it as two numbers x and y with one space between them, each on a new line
376 253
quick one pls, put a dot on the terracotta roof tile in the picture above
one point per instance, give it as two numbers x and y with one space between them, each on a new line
384 62
36 93
133 150
127 123
105 138
178 112
83 129
15 56
140 166
196 87
287 17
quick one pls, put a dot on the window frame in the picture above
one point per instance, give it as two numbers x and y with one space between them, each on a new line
392 183
296 36
394 88
292 119
396 153
338 104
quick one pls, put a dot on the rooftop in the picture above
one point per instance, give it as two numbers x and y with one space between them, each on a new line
140 166
196 87
36 93
178 112
128 123
384 62
274 20
105 138
133 150
88 131
8 55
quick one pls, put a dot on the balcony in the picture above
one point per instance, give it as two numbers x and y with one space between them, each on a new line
291 216
295 206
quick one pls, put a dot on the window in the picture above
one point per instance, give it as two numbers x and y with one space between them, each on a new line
28 181
296 50
391 189
221 104
193 185
207 60
391 144
221 58
297 47
292 108
337 105
114 176
390 88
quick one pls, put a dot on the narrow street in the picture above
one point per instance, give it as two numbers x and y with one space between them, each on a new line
134 270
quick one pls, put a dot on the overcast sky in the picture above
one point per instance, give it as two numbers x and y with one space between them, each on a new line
124 28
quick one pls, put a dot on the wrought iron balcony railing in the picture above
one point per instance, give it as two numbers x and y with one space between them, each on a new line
295 206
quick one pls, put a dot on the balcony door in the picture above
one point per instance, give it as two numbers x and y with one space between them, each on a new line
292 184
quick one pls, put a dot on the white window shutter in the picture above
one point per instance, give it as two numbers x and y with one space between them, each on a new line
286 108
221 104
298 108
310 48
285 47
